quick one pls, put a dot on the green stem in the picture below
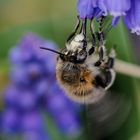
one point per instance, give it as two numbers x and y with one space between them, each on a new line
127 68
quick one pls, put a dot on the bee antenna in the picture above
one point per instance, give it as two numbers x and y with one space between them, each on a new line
52 50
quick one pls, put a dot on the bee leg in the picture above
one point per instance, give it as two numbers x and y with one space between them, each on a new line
102 50
75 30
111 59
102 56
110 78
107 78
110 73
92 49
83 31
84 27
100 33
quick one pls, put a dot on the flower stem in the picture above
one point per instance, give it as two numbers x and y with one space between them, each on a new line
127 68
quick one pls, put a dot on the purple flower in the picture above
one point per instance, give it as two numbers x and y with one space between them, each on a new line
68 123
15 55
32 126
10 121
19 75
85 8
26 100
11 95
32 121
32 135
114 7
33 91
63 114
132 18
41 87
88 9
128 9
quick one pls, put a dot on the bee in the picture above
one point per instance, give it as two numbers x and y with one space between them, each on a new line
83 69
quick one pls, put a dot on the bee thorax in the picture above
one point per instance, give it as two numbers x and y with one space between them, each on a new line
76 43
79 38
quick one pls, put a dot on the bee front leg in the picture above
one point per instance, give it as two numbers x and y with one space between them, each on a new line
75 30
84 27
83 32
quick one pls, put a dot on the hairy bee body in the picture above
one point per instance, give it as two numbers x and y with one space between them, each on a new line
83 68
78 80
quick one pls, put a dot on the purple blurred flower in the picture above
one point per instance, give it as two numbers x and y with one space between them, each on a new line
67 123
64 115
26 100
32 126
32 135
19 75
33 88
32 121
10 121
11 96
128 9
41 87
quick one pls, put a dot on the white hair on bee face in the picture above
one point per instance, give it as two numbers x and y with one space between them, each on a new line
79 38
76 42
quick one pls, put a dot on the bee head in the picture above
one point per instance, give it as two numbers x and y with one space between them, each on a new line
75 51
78 56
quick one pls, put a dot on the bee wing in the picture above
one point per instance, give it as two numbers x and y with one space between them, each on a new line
107 115
96 95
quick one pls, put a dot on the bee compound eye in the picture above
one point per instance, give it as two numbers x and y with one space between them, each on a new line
81 52
82 79
62 57
81 56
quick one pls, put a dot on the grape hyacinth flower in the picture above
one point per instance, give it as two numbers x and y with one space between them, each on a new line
33 91
128 9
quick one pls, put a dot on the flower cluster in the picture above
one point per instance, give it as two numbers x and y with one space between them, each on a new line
128 9
33 90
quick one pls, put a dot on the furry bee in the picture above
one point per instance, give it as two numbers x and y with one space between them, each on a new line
84 70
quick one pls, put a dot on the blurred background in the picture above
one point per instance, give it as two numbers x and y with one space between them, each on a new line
32 105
